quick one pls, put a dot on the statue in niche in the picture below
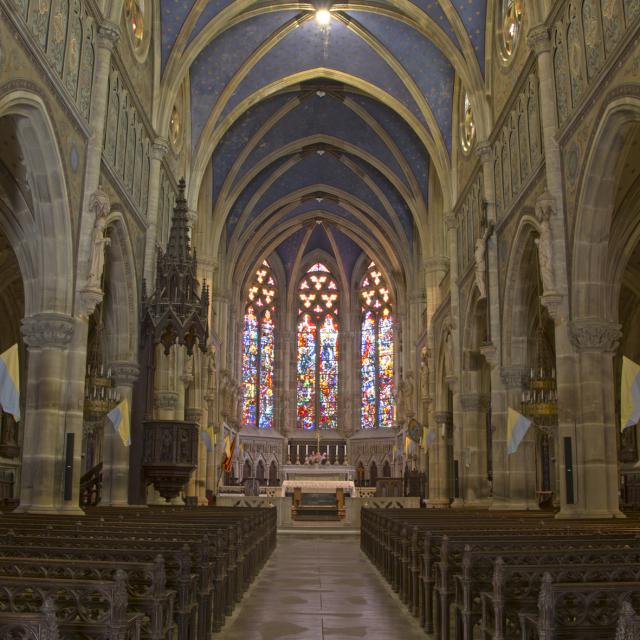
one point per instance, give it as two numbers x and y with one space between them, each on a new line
480 254
424 374
227 394
404 399
101 206
545 248
448 355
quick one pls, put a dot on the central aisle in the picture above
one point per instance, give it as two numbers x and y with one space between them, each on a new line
320 588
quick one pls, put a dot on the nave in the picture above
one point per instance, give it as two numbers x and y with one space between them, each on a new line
320 587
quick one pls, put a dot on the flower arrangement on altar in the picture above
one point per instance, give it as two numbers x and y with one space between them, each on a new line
316 458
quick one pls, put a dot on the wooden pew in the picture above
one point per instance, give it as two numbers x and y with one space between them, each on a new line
30 626
146 586
83 608
570 611
628 623
516 590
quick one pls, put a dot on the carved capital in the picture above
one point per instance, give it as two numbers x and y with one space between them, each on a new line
514 377
47 331
443 417
108 35
553 302
99 203
165 400
193 415
484 151
539 40
451 221
474 401
125 373
594 335
545 206
490 354
159 149
90 297
435 264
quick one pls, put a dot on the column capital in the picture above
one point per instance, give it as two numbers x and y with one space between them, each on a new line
484 151
125 372
47 331
108 35
436 263
159 148
165 400
514 377
538 39
194 415
474 401
443 417
451 220
594 335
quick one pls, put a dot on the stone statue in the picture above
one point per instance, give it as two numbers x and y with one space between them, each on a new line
481 261
404 399
226 391
545 249
101 206
424 374
448 355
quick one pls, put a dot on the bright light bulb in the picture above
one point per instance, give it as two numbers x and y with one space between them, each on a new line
323 17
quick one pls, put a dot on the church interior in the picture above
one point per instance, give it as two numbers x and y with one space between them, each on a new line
309 311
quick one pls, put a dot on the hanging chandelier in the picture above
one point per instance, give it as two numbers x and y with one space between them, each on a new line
100 394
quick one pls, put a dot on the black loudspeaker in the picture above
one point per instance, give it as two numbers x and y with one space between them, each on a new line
68 467
568 470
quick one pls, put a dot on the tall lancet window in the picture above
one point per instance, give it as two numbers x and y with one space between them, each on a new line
258 342
317 385
376 351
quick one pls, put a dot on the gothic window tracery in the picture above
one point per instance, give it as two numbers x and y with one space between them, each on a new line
317 350
376 350
258 345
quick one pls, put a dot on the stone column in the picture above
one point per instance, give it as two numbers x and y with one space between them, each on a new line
115 457
108 34
595 462
47 336
453 377
474 485
520 467
439 471
159 149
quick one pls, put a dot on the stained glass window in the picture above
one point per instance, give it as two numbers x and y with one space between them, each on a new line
509 26
467 125
376 351
317 361
258 350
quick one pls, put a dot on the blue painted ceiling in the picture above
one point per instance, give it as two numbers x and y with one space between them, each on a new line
355 107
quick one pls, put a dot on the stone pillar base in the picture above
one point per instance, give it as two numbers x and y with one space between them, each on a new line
514 505
458 503
588 514
438 504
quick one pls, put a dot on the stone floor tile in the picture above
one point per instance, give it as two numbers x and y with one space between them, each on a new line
320 588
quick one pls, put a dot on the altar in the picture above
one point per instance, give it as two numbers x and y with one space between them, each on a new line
324 472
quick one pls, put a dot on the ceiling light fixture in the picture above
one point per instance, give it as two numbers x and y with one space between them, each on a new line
323 17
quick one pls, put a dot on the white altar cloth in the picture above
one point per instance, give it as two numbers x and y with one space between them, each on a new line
320 486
